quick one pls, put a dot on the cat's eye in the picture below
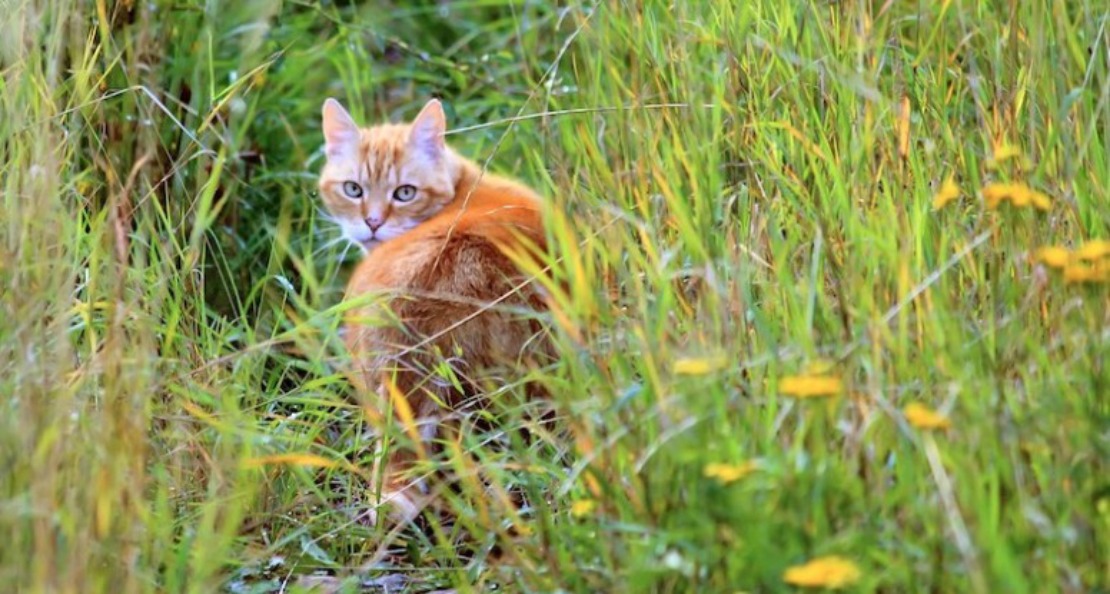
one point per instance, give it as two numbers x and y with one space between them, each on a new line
352 189
404 193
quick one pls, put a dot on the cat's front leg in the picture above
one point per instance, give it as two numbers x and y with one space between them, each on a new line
403 494
404 491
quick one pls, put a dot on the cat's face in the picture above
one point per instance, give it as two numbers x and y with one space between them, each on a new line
382 181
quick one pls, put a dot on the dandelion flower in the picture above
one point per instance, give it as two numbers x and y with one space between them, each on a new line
810 386
582 507
699 365
1090 263
1041 201
1003 152
948 192
1053 256
824 572
1093 250
1083 273
923 417
995 193
729 473
1019 195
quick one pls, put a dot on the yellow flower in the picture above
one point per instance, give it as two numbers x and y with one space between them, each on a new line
1095 249
948 192
1082 273
809 386
1052 256
582 507
995 193
730 473
923 417
1019 195
1095 253
699 365
1041 201
1005 151
823 572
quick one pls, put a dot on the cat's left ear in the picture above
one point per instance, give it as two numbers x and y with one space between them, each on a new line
428 129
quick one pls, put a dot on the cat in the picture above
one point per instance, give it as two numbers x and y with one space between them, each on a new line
442 240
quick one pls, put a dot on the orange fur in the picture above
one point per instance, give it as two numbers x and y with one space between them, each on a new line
453 292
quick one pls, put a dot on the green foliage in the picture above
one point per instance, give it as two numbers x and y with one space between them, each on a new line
744 193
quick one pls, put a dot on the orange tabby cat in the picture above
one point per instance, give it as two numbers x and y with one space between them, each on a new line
438 231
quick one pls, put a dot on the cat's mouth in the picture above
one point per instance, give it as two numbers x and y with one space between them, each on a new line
371 243
377 239
372 240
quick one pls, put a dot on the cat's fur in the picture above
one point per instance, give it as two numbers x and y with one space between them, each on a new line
443 259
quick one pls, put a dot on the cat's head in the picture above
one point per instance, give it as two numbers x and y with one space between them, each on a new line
382 181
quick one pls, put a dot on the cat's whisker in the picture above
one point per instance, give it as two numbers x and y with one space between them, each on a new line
346 248
323 214
327 245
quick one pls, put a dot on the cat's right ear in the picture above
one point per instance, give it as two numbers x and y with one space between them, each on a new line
341 135
427 130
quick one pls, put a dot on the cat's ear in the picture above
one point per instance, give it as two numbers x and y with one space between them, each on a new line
341 135
428 129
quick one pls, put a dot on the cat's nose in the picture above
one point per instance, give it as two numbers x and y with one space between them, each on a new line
374 223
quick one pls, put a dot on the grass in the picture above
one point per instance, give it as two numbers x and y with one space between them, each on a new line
742 195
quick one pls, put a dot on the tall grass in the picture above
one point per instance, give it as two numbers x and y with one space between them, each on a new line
741 192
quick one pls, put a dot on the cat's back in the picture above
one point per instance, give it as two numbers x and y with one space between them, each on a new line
461 249
454 283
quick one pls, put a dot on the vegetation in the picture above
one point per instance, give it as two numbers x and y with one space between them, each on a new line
782 366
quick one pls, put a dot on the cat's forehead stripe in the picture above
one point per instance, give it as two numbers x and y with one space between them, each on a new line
382 150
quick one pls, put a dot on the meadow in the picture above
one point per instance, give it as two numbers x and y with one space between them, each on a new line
831 293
